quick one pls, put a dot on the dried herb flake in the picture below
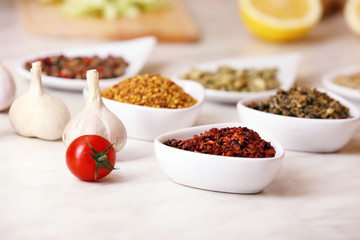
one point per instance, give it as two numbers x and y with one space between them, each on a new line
303 102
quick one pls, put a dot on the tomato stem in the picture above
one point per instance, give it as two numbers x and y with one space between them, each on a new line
100 159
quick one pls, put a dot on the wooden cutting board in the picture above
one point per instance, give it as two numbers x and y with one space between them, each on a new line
174 24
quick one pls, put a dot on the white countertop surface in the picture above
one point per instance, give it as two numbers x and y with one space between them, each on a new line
315 196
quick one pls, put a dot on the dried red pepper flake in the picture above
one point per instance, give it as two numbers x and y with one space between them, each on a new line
229 141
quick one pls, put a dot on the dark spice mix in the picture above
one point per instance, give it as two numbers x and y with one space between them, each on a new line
76 67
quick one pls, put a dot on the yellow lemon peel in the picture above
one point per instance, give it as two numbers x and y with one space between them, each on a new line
280 20
352 15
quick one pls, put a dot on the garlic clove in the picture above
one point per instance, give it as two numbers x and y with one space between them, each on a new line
95 118
37 114
7 88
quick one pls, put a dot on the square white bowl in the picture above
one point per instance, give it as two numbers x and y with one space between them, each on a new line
350 93
213 172
287 65
135 52
303 134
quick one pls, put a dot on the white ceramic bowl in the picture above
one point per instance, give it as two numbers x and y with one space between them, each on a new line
213 172
328 81
146 123
303 134
287 65
134 51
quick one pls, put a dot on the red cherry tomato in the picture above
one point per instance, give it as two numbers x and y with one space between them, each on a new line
90 157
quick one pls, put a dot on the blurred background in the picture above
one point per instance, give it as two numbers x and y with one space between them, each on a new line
214 30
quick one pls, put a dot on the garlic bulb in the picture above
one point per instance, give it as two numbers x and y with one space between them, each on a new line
7 88
37 114
95 118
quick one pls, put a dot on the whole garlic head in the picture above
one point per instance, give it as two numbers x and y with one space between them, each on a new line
95 118
7 88
37 114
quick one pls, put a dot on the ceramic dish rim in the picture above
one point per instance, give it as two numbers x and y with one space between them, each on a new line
328 78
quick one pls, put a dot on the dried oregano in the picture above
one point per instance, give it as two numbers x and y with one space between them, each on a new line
230 79
302 102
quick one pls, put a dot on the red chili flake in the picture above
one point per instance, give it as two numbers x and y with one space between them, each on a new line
87 61
234 142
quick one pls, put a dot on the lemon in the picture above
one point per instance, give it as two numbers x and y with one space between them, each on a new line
280 20
352 15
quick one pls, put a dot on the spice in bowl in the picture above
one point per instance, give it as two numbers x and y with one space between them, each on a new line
350 81
151 90
76 67
230 79
229 141
302 102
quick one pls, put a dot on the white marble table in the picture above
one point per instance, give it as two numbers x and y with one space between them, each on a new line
315 196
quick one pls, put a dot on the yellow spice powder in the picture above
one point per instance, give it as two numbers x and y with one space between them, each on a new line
350 81
151 90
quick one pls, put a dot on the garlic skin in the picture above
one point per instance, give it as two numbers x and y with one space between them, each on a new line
7 88
95 118
37 114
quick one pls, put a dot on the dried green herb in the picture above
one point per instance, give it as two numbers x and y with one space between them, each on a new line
302 102
229 79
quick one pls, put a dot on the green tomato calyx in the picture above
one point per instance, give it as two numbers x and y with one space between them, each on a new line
101 159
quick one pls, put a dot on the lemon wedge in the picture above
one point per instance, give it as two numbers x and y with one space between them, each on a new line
352 15
280 20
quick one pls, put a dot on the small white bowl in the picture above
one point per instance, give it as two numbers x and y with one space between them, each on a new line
213 172
146 123
328 81
134 51
303 134
287 65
